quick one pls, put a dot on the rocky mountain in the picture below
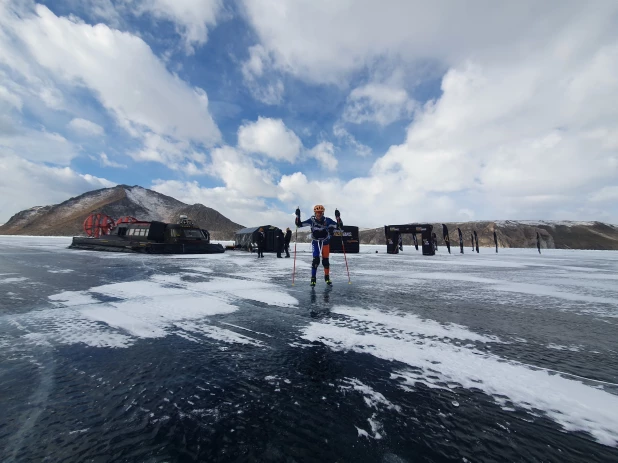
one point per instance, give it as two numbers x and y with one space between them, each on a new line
512 234
67 218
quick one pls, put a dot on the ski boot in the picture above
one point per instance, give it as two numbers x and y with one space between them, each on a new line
327 280
313 281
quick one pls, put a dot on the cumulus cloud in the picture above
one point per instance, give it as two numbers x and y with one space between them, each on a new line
37 146
106 162
378 103
118 68
262 85
349 140
239 173
166 150
321 41
192 18
25 184
271 138
246 210
86 127
324 152
523 125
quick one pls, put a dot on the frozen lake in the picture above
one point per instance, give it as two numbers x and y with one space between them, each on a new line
474 357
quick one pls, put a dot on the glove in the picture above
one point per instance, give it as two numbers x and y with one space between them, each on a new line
338 216
297 222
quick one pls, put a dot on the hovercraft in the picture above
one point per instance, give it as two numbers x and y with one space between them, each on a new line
127 234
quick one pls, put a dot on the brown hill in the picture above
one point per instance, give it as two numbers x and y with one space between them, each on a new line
67 218
519 234
512 234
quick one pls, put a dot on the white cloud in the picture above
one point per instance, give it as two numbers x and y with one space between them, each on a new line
271 138
240 174
118 68
237 206
379 103
9 98
24 184
106 162
176 155
324 152
38 146
322 41
86 127
51 96
264 88
505 129
524 125
192 18
348 139
369 201
605 194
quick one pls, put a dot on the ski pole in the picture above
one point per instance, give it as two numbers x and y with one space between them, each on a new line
295 241
338 216
345 258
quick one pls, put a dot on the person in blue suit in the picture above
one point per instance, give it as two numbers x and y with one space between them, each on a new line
321 228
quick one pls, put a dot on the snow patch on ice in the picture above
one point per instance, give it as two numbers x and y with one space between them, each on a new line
412 324
372 398
72 298
14 280
571 403
560 347
153 308
219 334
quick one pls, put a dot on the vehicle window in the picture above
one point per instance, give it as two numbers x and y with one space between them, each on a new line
193 233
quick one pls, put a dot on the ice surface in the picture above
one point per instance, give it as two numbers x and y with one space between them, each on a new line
151 308
436 363
372 398
199 298
12 280
409 323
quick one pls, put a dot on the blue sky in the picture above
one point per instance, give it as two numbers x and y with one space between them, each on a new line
392 111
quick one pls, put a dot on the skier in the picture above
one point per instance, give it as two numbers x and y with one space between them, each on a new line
288 237
320 239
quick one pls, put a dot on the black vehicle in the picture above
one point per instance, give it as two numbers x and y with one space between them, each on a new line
128 234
